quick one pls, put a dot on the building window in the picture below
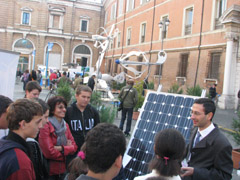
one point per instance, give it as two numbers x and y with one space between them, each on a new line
182 71
106 18
213 66
144 1
56 21
113 11
56 15
188 21
158 69
115 67
143 32
111 45
84 25
220 8
164 29
119 39
129 32
109 66
26 18
139 67
120 7
130 5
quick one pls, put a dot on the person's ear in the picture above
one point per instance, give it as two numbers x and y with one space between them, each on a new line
22 124
210 116
118 162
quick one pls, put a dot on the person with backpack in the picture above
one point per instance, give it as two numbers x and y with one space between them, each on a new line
24 121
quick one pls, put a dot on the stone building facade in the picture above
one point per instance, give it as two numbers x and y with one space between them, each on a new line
28 25
201 42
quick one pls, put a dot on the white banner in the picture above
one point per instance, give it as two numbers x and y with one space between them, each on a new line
8 69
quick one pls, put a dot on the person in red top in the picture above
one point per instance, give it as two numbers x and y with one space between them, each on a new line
53 77
56 140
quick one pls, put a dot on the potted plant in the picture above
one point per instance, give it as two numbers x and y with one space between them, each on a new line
106 113
139 87
236 137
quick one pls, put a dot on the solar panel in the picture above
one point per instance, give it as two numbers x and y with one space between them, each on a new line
160 111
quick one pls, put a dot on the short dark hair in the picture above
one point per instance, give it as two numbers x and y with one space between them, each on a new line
53 101
22 109
4 103
31 85
169 150
44 105
64 73
104 144
208 104
81 88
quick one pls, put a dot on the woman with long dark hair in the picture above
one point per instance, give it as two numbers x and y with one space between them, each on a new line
169 148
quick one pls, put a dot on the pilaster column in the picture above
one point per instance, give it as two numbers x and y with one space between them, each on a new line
226 101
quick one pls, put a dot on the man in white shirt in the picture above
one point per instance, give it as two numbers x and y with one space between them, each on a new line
209 153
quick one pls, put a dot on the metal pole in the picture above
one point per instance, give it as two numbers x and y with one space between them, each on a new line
46 68
160 66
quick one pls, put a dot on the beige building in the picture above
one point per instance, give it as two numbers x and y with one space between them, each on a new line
201 41
27 26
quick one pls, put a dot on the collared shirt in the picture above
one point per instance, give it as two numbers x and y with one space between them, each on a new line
206 131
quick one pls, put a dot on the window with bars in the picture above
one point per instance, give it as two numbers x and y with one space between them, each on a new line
182 68
129 32
213 66
26 18
157 70
143 32
139 67
188 21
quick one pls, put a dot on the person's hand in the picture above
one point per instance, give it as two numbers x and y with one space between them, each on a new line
58 148
69 142
187 171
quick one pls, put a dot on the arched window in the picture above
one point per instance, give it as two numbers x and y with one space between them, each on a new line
82 49
23 43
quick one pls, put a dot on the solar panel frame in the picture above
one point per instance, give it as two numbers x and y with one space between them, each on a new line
159 111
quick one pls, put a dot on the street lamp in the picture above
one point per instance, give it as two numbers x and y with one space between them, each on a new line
162 25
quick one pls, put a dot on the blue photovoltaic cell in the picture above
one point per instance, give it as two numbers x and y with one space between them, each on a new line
160 111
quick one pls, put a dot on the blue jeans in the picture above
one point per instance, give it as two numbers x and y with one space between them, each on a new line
125 112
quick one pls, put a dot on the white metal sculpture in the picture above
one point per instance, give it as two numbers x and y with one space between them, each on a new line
162 56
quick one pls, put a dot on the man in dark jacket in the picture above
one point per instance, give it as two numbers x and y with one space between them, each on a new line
91 82
129 96
212 92
24 120
81 116
209 153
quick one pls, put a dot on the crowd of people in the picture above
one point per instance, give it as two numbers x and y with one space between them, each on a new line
50 140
